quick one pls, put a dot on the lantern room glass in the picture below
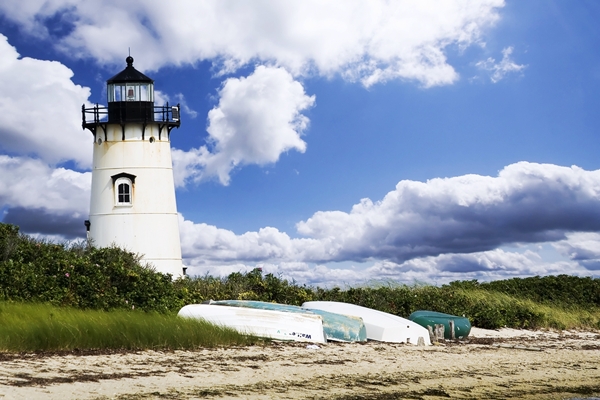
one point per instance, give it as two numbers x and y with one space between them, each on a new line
130 92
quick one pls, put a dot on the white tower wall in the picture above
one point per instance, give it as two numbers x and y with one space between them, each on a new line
148 226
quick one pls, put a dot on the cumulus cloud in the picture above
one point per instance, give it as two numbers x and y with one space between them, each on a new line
435 231
526 202
370 41
207 243
40 109
35 194
500 69
257 119
583 247
443 217
483 266
486 266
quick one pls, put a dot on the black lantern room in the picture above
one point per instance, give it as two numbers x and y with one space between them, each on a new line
130 96
130 100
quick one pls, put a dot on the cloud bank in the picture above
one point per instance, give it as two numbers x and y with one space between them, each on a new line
370 42
448 224
435 231
525 203
363 42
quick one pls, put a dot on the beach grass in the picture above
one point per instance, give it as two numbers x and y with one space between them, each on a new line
496 310
41 327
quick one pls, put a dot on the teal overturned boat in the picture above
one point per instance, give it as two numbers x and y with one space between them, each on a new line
337 327
455 327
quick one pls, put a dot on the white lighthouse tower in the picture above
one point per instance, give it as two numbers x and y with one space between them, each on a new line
133 193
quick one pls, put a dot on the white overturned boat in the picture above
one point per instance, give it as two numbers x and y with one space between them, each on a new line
337 327
381 326
272 324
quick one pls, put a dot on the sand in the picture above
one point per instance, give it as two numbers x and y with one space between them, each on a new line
500 364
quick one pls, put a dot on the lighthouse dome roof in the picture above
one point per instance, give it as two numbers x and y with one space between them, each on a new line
129 74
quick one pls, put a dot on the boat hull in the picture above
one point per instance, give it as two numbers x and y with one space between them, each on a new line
462 325
270 324
381 326
337 327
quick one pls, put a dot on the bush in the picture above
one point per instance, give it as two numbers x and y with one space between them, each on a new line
79 276
560 289
251 285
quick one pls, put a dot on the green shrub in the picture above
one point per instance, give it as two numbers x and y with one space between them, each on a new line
251 285
559 289
79 276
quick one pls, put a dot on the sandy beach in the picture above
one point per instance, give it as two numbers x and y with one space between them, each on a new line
502 364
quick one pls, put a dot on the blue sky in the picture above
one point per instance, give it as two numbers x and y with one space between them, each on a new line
339 142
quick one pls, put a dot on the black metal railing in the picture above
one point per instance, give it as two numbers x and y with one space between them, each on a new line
99 114
97 118
129 112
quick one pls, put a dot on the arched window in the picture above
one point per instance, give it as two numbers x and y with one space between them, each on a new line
123 188
123 191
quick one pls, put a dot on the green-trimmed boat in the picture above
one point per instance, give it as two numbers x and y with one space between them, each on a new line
336 327
462 325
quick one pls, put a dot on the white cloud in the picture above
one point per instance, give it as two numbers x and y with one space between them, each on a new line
483 266
209 244
527 202
257 119
161 98
40 109
501 69
443 227
418 232
32 184
184 106
367 41
583 247
44 201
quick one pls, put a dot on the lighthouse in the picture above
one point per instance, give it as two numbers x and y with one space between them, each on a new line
133 193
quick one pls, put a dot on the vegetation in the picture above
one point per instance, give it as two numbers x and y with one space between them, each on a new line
79 275
83 277
42 327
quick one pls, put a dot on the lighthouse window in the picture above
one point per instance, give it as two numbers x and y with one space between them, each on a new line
143 92
130 92
131 95
115 92
123 192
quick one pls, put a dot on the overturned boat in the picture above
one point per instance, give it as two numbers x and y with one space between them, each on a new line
381 326
455 327
273 324
336 327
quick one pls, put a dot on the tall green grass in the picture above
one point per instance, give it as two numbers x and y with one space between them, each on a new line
490 309
42 327
484 307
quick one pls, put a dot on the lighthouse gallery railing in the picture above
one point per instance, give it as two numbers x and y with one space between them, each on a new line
98 117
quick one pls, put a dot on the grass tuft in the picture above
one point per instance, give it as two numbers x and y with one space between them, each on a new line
42 327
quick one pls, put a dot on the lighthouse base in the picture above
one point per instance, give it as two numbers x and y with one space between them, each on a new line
154 237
